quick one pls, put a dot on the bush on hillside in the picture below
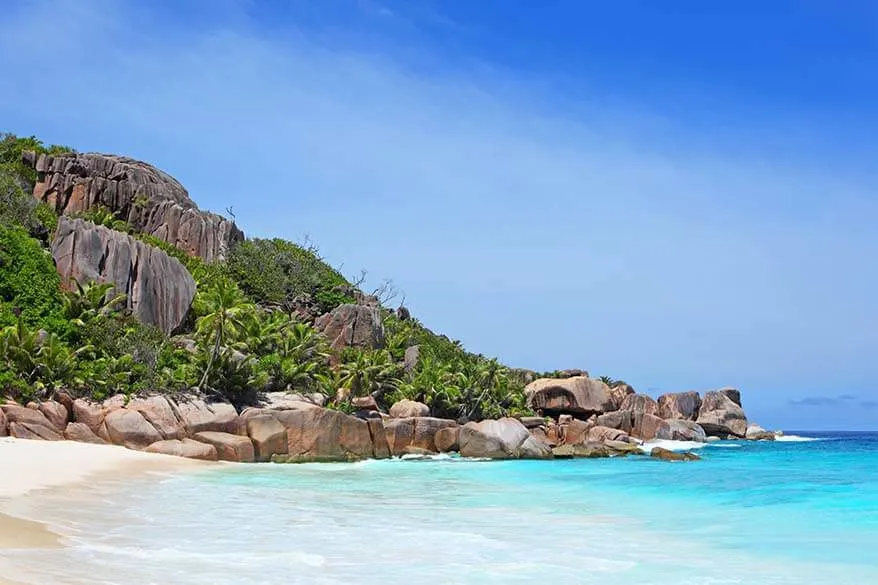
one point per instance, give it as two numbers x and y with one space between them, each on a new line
12 147
29 283
277 272
17 206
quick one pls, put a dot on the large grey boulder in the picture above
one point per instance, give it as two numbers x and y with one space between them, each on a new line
81 433
578 395
603 434
158 288
411 358
150 200
681 430
639 404
131 429
417 434
228 447
757 433
406 408
647 426
352 326
679 405
618 419
29 423
618 392
320 434
721 414
188 448
196 416
505 438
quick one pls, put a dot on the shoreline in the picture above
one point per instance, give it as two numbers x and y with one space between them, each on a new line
33 467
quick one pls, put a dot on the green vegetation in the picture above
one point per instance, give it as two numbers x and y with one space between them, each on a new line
29 283
277 272
17 207
250 331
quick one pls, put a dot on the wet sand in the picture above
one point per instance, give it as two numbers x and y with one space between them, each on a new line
30 467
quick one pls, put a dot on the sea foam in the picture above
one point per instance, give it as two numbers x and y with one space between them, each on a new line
671 445
795 439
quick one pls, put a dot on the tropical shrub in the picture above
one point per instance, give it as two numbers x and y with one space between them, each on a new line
277 272
29 283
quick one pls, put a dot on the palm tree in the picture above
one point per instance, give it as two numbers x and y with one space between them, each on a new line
57 363
369 373
90 300
19 348
261 332
301 342
224 310
295 374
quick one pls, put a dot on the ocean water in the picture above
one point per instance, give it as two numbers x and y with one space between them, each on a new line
798 511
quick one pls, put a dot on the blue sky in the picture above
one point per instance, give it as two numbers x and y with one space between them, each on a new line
682 195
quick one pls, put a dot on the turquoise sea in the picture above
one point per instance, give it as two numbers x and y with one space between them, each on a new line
798 511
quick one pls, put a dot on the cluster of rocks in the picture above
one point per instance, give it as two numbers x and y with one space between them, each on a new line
150 200
589 411
286 429
158 289
579 416
291 428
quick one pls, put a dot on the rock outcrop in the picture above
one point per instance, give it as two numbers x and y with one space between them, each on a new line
158 288
603 434
80 433
618 392
22 430
647 427
578 395
196 416
505 438
160 414
587 450
721 414
352 326
667 455
447 439
150 200
411 358
681 430
29 423
55 412
679 405
269 436
409 408
639 404
319 434
228 447
418 435
129 428
618 419
757 433
188 448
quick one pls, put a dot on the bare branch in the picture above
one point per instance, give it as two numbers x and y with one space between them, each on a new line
386 292
358 282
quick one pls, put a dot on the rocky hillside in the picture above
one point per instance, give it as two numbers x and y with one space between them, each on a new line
149 200
128 315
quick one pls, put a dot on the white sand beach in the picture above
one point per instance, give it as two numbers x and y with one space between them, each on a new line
30 466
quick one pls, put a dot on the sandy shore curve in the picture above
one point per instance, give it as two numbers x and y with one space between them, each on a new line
30 466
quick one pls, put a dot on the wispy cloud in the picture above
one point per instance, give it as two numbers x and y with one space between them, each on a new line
845 400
